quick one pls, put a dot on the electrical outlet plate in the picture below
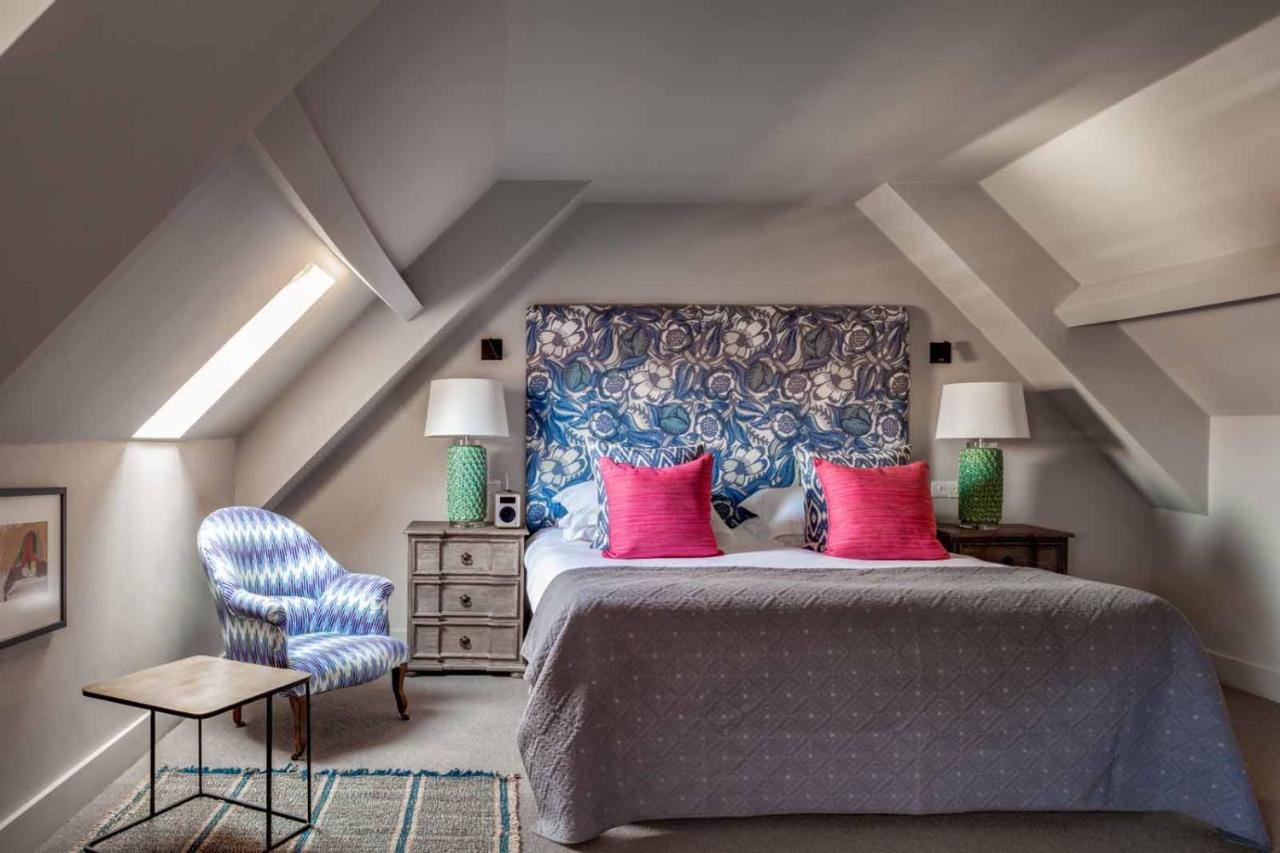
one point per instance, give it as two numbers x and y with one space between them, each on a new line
944 488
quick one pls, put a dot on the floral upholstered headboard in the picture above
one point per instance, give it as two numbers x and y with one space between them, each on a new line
750 382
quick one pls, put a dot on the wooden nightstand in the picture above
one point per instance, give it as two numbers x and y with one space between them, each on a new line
466 602
1011 544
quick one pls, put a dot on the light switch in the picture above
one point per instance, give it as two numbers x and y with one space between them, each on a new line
944 489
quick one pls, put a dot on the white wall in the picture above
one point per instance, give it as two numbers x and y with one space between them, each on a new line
1223 570
136 597
387 474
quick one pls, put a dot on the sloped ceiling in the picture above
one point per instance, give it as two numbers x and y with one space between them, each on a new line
112 112
816 100
216 259
410 107
424 104
1183 171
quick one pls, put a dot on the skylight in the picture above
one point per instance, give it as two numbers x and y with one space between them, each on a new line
237 355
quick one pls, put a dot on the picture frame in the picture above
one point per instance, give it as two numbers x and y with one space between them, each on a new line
33 562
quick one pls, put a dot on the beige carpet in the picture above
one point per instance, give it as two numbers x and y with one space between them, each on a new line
360 811
465 721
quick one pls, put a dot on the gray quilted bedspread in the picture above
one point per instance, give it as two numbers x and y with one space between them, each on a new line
673 692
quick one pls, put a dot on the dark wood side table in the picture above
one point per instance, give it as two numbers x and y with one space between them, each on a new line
198 688
1011 544
466 598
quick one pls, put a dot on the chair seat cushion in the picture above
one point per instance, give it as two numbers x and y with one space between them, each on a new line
344 660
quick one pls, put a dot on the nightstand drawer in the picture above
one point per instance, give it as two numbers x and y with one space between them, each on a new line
455 598
1009 555
426 557
466 641
479 557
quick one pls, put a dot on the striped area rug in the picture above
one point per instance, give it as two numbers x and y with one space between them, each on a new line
467 811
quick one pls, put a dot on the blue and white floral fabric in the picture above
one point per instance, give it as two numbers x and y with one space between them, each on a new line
283 601
815 502
749 382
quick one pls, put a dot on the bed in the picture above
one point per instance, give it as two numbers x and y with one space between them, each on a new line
775 680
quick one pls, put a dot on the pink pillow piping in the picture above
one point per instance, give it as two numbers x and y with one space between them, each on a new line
879 513
659 512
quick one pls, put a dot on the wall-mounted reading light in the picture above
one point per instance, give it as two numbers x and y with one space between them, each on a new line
189 403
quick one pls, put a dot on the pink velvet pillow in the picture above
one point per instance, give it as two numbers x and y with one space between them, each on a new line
879 513
659 512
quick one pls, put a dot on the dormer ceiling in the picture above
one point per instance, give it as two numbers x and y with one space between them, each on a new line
411 110
111 113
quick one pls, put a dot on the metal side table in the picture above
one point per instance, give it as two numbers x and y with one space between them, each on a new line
199 688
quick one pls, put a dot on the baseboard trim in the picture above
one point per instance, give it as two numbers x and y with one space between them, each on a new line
44 814
1249 677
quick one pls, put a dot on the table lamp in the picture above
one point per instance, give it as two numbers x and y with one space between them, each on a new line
465 409
981 411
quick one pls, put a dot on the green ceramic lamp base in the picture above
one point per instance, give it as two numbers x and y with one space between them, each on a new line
467 477
981 475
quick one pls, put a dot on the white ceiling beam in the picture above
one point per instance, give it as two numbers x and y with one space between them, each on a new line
458 272
293 155
1233 277
1008 286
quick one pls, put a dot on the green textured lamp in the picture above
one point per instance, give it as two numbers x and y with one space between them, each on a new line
980 412
466 409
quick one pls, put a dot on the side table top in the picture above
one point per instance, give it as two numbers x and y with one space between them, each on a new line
1015 531
196 687
444 528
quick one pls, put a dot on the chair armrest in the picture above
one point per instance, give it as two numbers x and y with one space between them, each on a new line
263 607
256 629
354 603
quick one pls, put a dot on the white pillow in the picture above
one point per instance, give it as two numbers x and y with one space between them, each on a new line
781 510
582 505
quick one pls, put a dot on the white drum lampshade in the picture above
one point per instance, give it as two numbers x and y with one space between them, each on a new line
465 408
981 411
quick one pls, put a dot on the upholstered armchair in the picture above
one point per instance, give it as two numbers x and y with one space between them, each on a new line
283 601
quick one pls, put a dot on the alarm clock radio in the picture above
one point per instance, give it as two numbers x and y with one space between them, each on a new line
507 509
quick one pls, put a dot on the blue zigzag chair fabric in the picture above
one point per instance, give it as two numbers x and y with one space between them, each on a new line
283 601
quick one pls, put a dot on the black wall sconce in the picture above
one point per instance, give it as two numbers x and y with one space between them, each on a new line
491 349
939 352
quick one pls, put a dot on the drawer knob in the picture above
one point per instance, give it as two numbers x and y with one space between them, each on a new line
466 558
465 600
464 641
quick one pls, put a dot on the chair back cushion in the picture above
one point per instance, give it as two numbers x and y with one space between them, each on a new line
261 552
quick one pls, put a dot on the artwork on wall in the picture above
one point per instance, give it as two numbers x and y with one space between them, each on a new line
33 564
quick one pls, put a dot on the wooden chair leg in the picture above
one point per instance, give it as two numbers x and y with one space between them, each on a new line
397 687
237 717
298 705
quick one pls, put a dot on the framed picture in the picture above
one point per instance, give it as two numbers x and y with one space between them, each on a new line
33 563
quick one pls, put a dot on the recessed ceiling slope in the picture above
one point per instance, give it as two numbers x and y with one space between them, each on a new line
814 100
468 263
209 266
1008 286
1167 202
111 113
1183 171
410 108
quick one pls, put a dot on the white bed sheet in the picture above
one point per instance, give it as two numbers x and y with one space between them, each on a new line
549 555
